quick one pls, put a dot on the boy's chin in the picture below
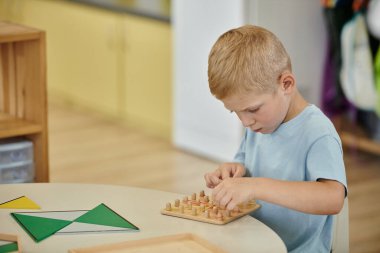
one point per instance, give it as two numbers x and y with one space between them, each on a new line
263 130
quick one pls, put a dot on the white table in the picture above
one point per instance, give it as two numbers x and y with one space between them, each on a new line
139 206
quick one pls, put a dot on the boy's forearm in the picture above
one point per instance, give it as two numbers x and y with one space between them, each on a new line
321 197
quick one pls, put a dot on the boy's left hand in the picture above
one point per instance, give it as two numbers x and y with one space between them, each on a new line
233 191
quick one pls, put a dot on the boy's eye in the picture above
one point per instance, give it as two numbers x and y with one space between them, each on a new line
253 110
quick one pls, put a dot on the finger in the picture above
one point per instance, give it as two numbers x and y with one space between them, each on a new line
214 180
211 180
219 194
215 193
225 174
210 185
237 172
225 200
231 205
207 179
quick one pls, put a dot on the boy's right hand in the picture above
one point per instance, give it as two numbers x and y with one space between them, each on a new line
225 170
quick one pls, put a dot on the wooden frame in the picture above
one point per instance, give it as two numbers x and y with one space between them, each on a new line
164 244
23 95
11 238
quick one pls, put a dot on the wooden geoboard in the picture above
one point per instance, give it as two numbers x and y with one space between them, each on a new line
201 208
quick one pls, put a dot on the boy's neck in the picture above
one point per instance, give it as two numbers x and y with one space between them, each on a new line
296 106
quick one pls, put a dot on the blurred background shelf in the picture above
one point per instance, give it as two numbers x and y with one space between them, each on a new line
23 99
363 143
355 137
12 127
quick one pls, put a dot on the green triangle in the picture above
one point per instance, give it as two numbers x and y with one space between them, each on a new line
39 228
103 215
11 247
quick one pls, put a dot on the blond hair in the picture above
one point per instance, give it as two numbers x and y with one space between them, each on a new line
245 59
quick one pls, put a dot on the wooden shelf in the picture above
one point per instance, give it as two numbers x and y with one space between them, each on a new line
23 96
362 143
11 32
353 136
12 127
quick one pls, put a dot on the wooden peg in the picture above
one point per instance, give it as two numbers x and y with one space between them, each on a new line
194 211
235 211
202 194
176 203
202 207
168 207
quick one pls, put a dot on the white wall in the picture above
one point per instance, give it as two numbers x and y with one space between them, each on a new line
300 26
201 124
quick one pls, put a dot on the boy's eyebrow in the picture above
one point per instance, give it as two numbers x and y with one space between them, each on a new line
253 107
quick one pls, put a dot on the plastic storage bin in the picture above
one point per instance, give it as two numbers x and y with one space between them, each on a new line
15 150
16 161
18 172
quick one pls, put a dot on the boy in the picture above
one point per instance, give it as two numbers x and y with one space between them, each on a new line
290 159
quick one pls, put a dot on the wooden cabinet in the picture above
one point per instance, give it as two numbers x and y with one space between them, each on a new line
83 53
23 96
147 74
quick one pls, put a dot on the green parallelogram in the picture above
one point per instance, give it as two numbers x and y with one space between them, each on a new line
39 228
10 247
103 215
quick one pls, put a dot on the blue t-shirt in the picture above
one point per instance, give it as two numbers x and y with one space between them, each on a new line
306 148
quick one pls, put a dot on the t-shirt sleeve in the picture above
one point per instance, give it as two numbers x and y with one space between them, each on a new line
325 161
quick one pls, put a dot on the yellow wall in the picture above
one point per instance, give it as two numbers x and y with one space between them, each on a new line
116 64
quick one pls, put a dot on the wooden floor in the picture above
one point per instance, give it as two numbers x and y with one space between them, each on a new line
88 149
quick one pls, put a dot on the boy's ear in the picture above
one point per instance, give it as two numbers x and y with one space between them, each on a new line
287 82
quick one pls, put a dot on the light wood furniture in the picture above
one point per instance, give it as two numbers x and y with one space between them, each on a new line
139 206
23 99
354 137
11 239
184 243
360 142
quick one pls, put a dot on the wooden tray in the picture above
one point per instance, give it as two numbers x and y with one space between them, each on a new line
11 239
184 243
190 208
